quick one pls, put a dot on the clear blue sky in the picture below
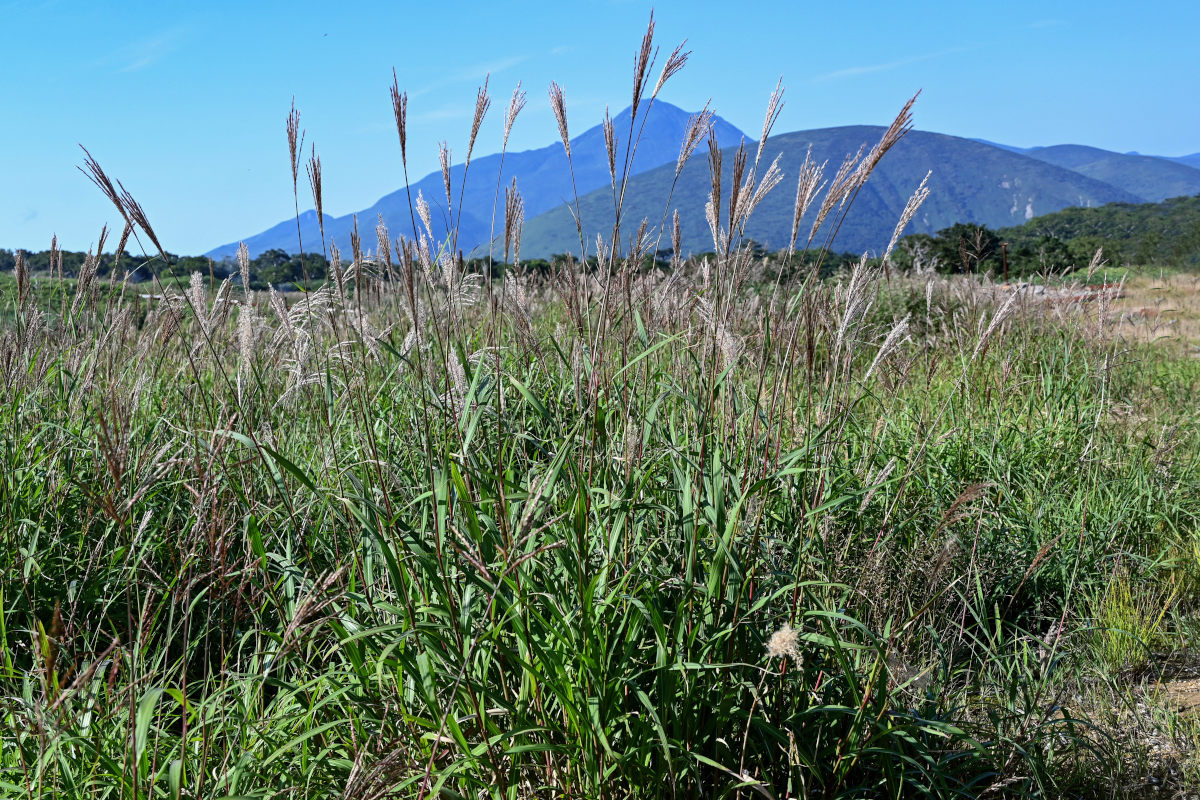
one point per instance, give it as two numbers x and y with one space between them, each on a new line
186 103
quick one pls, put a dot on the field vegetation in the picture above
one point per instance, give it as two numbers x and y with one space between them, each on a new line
605 530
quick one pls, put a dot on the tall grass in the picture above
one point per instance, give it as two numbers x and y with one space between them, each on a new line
721 530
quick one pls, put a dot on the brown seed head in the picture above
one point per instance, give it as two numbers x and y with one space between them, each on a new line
295 143
138 216
400 109
91 168
641 65
314 181
610 146
675 63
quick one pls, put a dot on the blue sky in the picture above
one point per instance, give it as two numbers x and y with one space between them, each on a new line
186 103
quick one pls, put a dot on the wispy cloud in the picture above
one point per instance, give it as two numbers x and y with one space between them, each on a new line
448 112
144 52
560 50
472 73
866 69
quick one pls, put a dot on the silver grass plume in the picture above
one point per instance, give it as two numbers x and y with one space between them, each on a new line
423 213
772 178
198 301
610 146
735 183
514 107
514 216
335 269
901 125
313 168
839 190
774 107
855 303
894 338
243 262
712 210
641 65
444 160
384 243
400 111
483 102
675 62
910 211
558 104
295 139
698 126
807 186
998 319
676 237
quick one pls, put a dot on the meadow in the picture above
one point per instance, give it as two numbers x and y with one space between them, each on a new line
721 529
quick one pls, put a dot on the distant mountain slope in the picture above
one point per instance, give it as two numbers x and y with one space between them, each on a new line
1192 160
1161 234
1149 177
971 182
542 178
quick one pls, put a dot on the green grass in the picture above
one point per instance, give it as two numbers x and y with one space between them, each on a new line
564 584
597 534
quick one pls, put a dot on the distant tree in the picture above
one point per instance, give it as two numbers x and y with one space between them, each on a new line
966 246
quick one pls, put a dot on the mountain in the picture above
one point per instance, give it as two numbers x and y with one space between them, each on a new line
971 182
542 175
1192 161
1151 178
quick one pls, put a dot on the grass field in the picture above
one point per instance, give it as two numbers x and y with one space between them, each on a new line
598 534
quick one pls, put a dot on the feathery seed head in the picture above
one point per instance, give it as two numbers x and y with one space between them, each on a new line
910 211
785 643
138 216
714 175
444 158
514 107
96 175
610 146
314 181
483 102
243 261
423 213
400 110
675 62
641 65
806 190
558 104
676 236
774 107
295 142
698 126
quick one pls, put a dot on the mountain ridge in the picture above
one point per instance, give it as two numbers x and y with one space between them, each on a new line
971 182
1015 183
542 175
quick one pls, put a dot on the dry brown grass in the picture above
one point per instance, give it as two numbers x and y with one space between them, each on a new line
1156 308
